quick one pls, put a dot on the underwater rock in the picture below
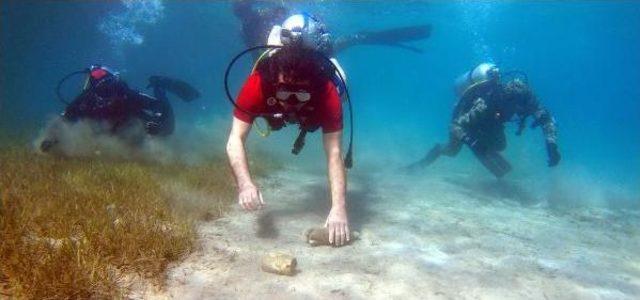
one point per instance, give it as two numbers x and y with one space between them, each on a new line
279 263
320 237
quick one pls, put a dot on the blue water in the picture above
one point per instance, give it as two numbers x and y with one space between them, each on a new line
581 58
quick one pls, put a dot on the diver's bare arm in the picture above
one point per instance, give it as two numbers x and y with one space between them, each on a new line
335 167
337 221
237 154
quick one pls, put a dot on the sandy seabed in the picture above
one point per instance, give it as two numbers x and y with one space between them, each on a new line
428 238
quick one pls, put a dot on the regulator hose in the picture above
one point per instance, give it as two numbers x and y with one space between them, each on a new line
348 160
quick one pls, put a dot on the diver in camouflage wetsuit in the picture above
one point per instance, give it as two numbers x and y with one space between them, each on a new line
485 105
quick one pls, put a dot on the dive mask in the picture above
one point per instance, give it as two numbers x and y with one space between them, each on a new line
285 92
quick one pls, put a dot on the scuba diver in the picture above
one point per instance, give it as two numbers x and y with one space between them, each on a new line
108 99
259 20
485 104
294 84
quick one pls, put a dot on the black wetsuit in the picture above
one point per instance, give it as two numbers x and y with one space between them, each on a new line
118 105
257 23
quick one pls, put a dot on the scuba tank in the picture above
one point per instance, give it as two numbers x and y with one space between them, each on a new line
474 82
482 73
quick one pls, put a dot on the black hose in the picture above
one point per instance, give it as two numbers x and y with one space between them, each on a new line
226 76
348 160
65 78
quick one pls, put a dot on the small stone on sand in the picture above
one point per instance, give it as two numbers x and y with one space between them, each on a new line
320 237
279 263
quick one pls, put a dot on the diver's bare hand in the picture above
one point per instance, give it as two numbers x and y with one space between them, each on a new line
338 226
250 198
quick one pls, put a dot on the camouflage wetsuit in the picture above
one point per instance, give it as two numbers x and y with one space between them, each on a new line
478 121
480 115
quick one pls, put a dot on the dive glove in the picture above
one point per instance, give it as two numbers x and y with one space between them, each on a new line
553 154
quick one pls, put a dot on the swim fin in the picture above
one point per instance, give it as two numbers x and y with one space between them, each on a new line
431 156
390 37
177 87
396 35
494 162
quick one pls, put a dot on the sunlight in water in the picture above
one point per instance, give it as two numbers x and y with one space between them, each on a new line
122 27
475 16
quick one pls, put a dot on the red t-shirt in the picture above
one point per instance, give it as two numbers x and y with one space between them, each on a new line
324 109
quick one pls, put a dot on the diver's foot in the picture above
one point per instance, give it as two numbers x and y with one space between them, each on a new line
431 156
412 169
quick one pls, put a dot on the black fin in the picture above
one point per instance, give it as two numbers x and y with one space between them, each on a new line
431 156
175 86
396 35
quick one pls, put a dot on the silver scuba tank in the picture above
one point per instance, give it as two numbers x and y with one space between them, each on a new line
483 72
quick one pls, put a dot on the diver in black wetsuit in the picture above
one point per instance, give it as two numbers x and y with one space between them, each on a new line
478 119
107 98
257 23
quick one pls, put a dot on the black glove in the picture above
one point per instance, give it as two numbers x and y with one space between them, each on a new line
553 154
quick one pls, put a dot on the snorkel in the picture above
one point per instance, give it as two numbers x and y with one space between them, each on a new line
348 160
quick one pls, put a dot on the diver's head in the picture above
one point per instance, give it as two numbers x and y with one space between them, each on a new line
100 75
303 30
518 93
104 82
297 67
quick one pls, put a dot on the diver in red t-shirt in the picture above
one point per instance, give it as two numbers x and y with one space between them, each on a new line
293 85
